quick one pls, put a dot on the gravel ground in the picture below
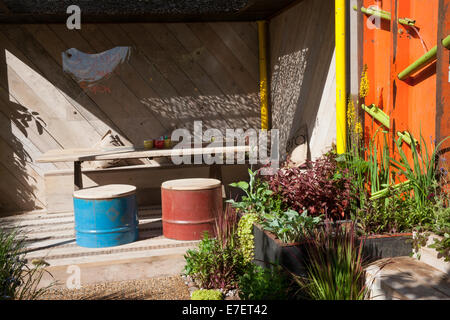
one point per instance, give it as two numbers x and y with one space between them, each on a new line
162 288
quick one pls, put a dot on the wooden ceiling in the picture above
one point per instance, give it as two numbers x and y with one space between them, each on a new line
50 11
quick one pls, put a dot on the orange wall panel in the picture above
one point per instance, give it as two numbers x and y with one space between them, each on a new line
389 49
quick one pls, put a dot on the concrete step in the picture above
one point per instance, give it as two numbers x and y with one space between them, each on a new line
405 278
156 263
51 237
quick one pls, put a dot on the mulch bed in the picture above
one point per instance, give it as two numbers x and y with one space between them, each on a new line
161 288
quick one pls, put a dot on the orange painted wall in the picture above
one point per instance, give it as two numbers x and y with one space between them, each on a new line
443 86
411 104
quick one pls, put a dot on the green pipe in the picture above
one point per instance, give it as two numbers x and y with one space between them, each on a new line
384 192
378 114
423 60
385 15
406 137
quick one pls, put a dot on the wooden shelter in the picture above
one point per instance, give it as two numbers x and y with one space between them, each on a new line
186 61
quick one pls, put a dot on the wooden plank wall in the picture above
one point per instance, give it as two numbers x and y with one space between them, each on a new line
176 74
303 73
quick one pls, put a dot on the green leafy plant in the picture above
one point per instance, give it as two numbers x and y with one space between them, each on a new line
441 223
198 260
357 169
404 206
290 226
439 226
264 284
213 266
207 294
18 280
442 246
257 195
335 269
423 173
218 263
396 212
380 169
245 234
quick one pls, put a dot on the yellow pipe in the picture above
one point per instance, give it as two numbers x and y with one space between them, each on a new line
341 95
263 86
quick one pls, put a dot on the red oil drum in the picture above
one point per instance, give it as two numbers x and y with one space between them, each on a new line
190 207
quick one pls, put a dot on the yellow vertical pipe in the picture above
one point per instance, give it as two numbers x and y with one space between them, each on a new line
263 86
341 95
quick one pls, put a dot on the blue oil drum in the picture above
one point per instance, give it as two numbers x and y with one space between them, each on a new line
105 216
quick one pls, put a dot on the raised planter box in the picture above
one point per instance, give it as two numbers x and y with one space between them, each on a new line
268 249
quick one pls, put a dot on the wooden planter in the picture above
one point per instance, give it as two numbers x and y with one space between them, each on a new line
268 249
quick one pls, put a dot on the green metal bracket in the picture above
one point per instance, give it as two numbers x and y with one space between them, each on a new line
406 136
378 114
383 193
385 15
423 60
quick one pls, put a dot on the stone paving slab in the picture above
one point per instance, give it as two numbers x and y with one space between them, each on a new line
405 278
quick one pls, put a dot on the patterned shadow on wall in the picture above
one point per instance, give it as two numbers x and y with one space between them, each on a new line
20 178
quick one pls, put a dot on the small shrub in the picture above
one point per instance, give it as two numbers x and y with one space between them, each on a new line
423 173
441 226
258 197
334 266
290 226
442 246
395 213
322 189
225 227
214 266
218 263
18 281
263 284
205 294
245 234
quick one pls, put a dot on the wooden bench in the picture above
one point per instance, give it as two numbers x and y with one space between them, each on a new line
61 184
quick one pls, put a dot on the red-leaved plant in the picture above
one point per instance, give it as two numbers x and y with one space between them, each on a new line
322 188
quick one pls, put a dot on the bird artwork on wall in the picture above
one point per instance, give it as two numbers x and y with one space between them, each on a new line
90 69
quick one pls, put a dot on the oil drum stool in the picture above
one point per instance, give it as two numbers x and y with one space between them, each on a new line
190 207
105 216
